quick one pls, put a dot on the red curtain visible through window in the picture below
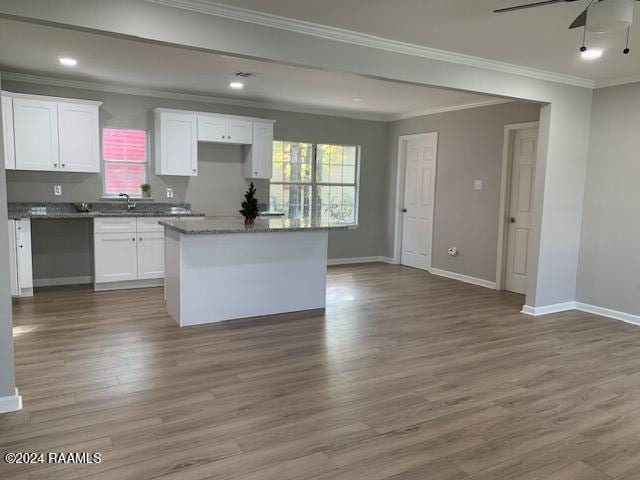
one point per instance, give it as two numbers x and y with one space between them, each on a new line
125 155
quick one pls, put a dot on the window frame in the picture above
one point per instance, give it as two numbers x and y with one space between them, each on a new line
146 163
314 184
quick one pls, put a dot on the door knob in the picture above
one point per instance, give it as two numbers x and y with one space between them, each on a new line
512 220
404 210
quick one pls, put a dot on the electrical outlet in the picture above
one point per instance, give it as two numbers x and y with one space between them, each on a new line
477 184
57 190
169 192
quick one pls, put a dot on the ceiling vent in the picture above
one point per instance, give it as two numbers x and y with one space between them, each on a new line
244 74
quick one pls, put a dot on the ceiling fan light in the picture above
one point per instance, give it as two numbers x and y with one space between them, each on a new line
610 15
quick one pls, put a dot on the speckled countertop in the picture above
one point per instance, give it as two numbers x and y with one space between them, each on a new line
100 209
223 226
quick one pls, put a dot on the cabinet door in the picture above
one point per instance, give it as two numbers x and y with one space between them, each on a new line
23 254
178 144
115 257
79 137
212 128
7 130
35 124
259 156
150 255
239 131
13 261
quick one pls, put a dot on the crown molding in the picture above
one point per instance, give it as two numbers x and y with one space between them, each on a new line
149 92
452 108
366 40
619 81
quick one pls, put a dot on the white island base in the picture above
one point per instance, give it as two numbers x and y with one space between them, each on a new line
213 278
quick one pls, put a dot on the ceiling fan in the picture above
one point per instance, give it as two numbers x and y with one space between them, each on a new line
600 16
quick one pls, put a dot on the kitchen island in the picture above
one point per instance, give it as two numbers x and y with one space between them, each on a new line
217 270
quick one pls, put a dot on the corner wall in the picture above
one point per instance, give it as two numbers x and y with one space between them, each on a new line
470 144
609 268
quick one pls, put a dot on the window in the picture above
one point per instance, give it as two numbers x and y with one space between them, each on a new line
125 161
315 181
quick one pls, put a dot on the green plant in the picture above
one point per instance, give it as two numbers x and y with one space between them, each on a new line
145 188
250 203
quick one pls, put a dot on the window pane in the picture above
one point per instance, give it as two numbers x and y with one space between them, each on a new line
297 162
293 200
124 145
335 204
124 178
336 164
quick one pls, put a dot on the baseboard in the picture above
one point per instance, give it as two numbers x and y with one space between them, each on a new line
11 403
50 282
548 309
464 278
607 312
355 260
102 287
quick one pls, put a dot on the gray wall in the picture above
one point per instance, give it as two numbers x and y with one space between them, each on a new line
7 372
219 186
609 261
470 146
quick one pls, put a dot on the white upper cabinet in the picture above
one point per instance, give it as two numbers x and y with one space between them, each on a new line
79 128
176 143
212 128
52 134
36 134
224 129
258 162
7 130
178 132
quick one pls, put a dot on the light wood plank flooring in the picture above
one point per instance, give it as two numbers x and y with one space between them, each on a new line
406 376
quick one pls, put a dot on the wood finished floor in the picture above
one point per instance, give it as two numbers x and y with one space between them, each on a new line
406 376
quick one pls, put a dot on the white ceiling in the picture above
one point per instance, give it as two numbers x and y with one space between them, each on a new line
537 38
35 49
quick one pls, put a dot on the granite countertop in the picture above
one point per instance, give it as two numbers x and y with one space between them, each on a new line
55 210
223 226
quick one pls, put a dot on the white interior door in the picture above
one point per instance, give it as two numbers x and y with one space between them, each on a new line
520 222
419 197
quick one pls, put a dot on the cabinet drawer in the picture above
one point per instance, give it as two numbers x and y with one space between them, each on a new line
114 225
150 224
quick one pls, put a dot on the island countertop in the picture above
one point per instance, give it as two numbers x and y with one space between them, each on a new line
225 226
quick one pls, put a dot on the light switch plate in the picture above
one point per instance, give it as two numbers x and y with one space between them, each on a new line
169 192
477 184
57 190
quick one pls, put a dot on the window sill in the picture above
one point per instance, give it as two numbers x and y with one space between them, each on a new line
117 197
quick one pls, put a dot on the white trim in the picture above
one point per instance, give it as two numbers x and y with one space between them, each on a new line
548 309
481 282
11 403
356 260
505 193
451 108
30 96
49 282
607 312
400 174
618 81
150 92
125 285
365 40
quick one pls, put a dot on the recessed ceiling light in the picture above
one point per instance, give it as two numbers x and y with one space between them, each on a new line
591 54
357 99
236 85
68 61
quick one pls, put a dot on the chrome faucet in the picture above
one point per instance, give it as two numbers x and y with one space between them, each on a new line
131 204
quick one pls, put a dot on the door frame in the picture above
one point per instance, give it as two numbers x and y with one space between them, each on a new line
400 174
505 196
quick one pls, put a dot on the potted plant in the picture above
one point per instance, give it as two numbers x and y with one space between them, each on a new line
250 206
145 188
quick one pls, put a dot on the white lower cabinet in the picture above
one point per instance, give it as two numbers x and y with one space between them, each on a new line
116 257
128 249
150 256
20 266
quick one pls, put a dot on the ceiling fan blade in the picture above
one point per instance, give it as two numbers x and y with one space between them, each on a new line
580 21
530 5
